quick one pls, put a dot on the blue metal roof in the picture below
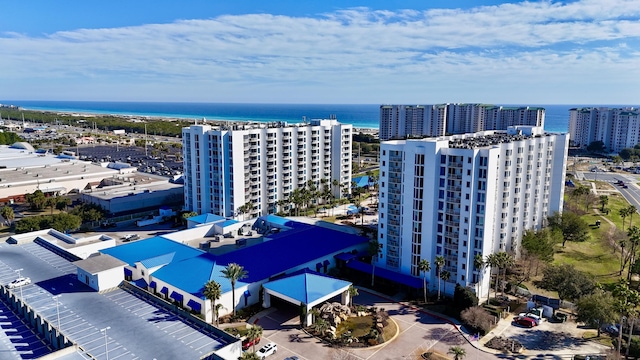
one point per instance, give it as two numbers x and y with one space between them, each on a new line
288 249
158 260
191 274
146 249
306 287
206 218
405 279
228 222
276 220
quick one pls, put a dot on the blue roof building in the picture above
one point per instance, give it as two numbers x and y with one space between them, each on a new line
178 272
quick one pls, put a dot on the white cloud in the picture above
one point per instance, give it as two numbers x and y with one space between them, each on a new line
353 55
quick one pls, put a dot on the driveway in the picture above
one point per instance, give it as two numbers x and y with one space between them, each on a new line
418 333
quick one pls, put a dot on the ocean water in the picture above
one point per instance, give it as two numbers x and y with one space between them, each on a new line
359 115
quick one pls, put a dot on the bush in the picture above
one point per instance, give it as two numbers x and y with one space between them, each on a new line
477 319
464 298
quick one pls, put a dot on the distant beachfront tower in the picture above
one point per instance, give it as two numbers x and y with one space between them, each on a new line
416 121
617 128
465 195
228 167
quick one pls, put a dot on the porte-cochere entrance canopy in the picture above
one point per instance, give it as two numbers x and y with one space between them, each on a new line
307 289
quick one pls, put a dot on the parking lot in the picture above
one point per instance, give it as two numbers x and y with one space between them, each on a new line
549 337
118 322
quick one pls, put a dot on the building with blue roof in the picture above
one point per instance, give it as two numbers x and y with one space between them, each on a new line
306 289
177 272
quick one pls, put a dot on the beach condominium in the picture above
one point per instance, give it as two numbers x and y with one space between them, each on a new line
617 128
416 121
465 195
226 168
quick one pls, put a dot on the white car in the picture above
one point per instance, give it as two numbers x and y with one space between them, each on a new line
130 237
267 350
21 281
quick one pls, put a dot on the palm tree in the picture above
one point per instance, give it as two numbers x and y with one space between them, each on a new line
374 250
630 211
505 260
213 291
249 355
216 310
321 325
234 272
439 261
494 262
353 291
604 200
253 334
457 352
445 275
424 266
478 265
623 214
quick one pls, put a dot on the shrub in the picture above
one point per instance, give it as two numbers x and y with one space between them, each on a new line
464 298
477 319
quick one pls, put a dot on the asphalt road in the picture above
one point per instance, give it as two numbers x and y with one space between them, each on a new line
631 193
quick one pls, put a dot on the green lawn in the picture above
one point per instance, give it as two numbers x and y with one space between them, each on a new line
596 256
358 325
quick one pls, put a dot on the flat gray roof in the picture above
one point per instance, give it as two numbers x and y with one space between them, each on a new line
96 264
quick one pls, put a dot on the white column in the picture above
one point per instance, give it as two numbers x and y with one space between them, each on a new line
345 297
266 301
309 319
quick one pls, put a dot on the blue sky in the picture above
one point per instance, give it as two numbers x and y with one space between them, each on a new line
542 52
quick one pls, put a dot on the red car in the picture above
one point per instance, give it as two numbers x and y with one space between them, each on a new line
525 321
247 343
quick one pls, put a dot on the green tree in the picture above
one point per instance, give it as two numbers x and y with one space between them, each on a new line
572 227
374 251
571 284
633 241
596 146
62 203
213 291
254 333
187 215
353 291
604 200
623 212
445 276
439 262
596 309
538 246
234 272
631 210
7 213
493 261
27 224
64 222
249 355
505 261
425 267
457 352
626 303
50 202
464 298
36 200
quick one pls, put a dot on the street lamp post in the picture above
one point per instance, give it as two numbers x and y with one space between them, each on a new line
106 349
19 276
58 311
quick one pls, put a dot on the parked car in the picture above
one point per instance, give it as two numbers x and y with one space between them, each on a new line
130 237
21 281
247 343
267 350
560 317
292 358
525 321
531 316
611 329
